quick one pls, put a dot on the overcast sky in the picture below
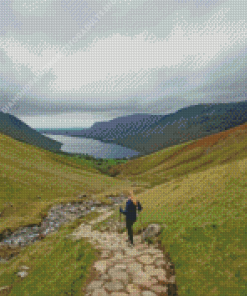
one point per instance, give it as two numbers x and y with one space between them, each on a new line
129 56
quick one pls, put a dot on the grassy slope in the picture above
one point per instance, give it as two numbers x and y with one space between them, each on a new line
58 266
205 210
206 234
179 160
28 172
100 164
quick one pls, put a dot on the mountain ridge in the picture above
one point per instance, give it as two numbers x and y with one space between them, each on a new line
19 130
147 133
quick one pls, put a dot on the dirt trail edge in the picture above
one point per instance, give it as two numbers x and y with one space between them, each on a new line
123 270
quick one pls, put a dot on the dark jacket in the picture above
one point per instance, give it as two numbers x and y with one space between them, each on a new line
130 210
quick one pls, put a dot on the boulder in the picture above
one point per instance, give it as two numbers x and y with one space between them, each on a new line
151 231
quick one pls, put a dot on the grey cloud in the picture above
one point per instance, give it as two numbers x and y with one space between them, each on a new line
8 19
59 26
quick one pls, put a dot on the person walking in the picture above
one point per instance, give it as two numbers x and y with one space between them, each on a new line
130 213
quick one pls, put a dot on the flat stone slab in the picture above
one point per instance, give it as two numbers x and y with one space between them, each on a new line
159 262
149 269
141 278
145 259
101 266
121 266
134 268
114 286
118 274
94 285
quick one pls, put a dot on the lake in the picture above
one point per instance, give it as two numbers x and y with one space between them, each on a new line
92 147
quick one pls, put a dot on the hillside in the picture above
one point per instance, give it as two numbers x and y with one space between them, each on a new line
180 160
149 133
205 232
196 191
32 179
17 129
118 127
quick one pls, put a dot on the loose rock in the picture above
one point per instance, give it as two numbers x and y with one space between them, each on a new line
151 231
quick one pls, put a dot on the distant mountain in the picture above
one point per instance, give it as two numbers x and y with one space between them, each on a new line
119 127
17 129
148 133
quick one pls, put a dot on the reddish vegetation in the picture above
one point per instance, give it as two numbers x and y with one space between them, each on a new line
205 142
211 140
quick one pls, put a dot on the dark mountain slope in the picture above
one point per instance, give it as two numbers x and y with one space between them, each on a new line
147 133
18 130
187 124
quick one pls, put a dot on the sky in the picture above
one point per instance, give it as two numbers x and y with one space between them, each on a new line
71 63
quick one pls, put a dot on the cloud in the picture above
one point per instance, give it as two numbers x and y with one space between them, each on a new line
141 56
120 57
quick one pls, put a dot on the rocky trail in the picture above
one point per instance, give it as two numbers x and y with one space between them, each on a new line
122 269
142 270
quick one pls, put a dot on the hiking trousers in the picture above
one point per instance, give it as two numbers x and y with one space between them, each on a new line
129 224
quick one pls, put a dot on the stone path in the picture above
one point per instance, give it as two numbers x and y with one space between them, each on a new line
123 270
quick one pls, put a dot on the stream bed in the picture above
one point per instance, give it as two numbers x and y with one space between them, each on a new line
58 215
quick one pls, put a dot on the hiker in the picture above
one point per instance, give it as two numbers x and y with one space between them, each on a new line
130 213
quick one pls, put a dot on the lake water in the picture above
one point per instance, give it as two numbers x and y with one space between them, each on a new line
92 147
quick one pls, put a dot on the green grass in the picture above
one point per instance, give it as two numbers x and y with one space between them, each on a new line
206 235
200 196
58 266
33 179
143 164
175 162
102 165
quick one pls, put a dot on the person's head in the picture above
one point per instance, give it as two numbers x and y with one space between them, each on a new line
132 197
